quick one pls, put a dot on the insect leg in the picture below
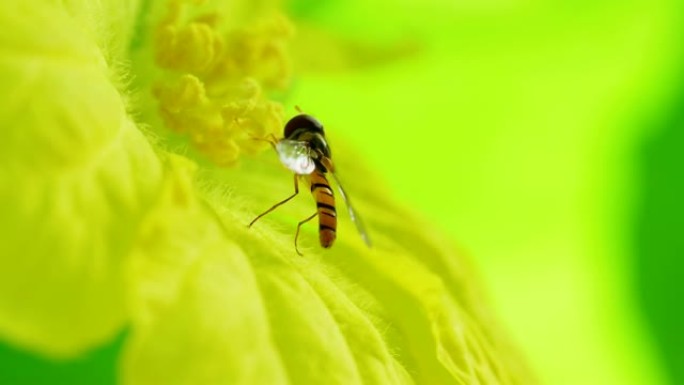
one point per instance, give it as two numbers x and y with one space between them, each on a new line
275 206
270 139
299 225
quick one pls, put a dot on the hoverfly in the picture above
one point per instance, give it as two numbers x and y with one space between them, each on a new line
304 150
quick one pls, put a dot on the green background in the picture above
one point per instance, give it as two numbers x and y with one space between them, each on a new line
547 138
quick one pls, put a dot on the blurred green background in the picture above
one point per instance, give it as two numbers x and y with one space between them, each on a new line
547 138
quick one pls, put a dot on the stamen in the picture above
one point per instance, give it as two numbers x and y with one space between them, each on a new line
216 84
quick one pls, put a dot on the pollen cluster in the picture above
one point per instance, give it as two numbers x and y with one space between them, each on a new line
217 80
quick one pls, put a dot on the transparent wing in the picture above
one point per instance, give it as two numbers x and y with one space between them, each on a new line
295 155
354 216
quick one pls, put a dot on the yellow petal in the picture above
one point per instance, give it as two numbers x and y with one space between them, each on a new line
222 303
198 318
75 177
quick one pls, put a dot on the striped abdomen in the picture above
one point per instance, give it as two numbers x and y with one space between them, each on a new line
325 203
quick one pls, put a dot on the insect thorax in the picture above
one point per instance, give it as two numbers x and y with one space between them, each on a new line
315 140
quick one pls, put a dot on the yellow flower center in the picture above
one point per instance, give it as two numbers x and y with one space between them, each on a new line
216 84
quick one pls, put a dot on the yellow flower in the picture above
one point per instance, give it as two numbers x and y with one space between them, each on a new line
119 215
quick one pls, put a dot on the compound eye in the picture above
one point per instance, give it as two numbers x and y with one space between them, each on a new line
305 122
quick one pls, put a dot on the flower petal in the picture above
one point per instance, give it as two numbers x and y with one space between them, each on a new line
222 303
209 314
198 312
412 298
76 177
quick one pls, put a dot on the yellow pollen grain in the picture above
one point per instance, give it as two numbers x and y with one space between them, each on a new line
216 84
